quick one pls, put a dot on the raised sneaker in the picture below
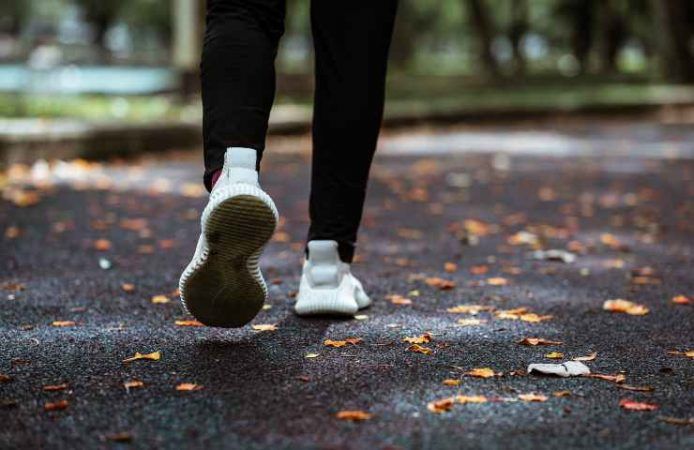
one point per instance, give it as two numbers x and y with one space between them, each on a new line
222 286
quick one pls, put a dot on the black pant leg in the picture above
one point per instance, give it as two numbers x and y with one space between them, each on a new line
238 75
351 41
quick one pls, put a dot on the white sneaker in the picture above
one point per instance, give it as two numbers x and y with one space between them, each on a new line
222 286
327 285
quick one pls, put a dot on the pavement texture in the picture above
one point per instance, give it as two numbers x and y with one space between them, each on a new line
80 233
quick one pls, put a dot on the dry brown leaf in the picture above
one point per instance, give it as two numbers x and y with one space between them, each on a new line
188 387
471 321
55 387
497 281
440 283
440 406
562 393
677 420
538 341
133 384
397 299
632 405
122 436
618 378
189 323
688 353
416 348
160 299
533 397
154 356
451 382
353 415
450 267
102 245
534 318
590 357
5 378
63 323
264 327
469 309
127 287
482 372
554 355
56 406
636 388
421 339
479 270
624 306
681 300
463 399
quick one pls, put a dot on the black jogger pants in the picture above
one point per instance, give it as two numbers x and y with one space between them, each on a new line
351 41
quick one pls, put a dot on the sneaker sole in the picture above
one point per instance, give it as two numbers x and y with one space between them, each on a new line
225 287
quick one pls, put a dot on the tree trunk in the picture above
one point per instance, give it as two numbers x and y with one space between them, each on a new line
612 34
485 35
674 38
582 31
519 26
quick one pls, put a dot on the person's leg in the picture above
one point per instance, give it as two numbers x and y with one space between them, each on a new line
351 41
238 75
222 285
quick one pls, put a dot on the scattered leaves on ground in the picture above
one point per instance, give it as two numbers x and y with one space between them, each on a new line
421 339
624 306
416 348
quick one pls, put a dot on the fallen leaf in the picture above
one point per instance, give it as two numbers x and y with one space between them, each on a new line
497 281
534 318
189 323
353 415
56 406
562 393
264 327
681 300
440 283
469 309
63 323
440 406
311 355
154 356
677 420
338 344
450 267
123 436
160 299
102 245
554 355
451 382
416 348
5 378
127 287
618 378
55 387
397 299
636 388
688 353
133 384
533 397
590 357
421 339
188 387
471 321
538 341
632 405
625 306
463 399
481 372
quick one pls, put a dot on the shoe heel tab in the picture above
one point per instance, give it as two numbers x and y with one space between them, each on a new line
241 158
323 251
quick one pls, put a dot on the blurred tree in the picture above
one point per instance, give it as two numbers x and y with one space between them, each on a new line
13 16
517 29
612 34
579 16
101 14
675 24
483 26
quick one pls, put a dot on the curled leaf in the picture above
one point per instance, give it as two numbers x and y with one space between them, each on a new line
353 415
154 356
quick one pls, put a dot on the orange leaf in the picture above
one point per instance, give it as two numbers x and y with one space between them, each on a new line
440 283
55 387
497 281
482 372
538 341
188 323
533 397
154 356
353 415
637 406
160 299
102 245
416 348
681 300
624 306
397 299
590 357
188 387
63 323
451 382
450 267
440 406
463 399
264 327
132 384
56 406
421 339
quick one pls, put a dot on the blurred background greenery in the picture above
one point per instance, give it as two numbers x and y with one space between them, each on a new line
137 59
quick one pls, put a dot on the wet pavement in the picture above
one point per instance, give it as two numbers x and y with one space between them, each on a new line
92 253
